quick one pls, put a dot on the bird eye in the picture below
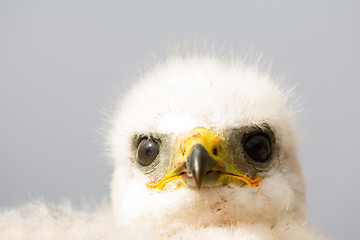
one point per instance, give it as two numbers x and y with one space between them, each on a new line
147 151
258 147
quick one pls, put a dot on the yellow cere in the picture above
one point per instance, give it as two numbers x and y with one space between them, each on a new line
212 141
209 139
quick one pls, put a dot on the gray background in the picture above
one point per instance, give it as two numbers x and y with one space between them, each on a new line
61 61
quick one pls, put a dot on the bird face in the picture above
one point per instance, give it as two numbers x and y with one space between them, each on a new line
210 158
199 142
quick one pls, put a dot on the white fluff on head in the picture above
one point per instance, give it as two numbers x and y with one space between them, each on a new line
172 98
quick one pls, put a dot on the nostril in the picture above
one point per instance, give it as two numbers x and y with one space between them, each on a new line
215 151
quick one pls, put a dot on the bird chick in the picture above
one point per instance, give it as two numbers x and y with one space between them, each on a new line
206 148
203 148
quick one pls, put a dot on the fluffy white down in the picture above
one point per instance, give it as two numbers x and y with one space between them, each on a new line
173 98
37 221
40 221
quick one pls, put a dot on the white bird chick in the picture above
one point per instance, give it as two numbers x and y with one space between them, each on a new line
203 149
207 149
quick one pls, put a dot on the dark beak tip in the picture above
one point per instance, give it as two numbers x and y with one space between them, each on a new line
199 164
198 183
197 178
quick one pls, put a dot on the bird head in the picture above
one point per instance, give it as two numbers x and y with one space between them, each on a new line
203 142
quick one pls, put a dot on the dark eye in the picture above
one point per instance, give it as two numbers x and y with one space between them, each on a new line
258 147
147 151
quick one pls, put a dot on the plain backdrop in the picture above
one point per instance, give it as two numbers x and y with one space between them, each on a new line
63 61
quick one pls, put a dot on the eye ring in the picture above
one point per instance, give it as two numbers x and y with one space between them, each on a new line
147 151
258 147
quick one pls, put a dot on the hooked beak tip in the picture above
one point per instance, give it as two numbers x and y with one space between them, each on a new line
199 164
198 181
